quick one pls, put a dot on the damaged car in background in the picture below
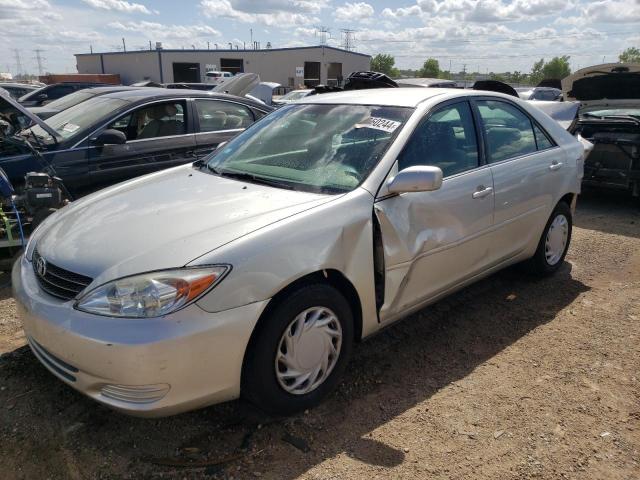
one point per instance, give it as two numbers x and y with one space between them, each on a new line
110 136
254 270
609 118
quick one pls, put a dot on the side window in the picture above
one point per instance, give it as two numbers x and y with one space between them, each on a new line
215 115
59 92
508 131
153 121
446 139
541 139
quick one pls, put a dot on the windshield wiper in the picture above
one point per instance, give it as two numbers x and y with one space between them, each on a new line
251 178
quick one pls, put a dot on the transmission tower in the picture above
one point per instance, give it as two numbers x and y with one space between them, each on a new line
16 54
40 59
348 39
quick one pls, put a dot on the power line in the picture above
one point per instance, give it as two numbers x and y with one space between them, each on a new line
323 32
16 54
40 60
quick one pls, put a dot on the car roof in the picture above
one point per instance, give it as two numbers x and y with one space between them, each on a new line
397 97
423 82
110 89
152 93
19 85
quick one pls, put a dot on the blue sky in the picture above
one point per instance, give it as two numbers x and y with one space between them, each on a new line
484 35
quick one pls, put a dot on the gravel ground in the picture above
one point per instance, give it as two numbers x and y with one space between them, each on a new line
511 378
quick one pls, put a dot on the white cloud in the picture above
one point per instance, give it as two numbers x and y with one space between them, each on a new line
274 17
271 6
158 30
354 12
119 5
481 11
613 11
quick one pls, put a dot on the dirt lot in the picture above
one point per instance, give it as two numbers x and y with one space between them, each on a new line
510 378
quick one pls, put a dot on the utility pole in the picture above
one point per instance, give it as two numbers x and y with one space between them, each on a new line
16 54
124 45
348 39
323 31
39 60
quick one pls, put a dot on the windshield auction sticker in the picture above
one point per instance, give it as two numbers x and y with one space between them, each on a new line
70 127
378 123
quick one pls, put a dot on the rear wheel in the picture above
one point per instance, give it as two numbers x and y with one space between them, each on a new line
554 242
300 350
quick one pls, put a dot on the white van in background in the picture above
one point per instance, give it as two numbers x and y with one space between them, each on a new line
215 77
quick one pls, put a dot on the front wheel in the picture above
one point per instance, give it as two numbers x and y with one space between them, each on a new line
554 242
299 351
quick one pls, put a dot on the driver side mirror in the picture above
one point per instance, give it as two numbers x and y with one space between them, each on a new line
418 178
110 136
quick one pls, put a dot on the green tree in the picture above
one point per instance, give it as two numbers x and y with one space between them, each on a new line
384 63
430 69
536 72
557 67
630 55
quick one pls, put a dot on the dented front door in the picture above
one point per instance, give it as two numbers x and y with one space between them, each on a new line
433 241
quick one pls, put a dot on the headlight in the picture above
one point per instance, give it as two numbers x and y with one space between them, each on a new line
28 249
151 294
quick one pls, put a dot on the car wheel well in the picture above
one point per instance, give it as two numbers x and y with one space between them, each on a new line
568 198
331 277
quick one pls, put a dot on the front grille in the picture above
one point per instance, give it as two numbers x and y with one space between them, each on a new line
59 282
59 367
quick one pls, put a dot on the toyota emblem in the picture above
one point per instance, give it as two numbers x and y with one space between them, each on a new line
41 266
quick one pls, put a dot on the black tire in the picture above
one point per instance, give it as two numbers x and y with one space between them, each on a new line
538 264
260 385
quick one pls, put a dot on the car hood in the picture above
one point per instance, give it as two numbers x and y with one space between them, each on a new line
9 105
565 113
603 85
239 85
163 220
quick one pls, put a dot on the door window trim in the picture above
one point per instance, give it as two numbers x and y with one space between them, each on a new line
127 111
436 108
196 115
473 100
479 143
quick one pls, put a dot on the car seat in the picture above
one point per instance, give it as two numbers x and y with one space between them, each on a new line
158 127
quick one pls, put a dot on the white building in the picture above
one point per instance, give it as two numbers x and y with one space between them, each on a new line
287 66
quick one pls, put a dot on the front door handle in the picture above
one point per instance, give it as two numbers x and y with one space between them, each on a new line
555 166
482 192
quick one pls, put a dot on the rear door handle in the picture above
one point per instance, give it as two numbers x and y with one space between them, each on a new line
555 166
482 192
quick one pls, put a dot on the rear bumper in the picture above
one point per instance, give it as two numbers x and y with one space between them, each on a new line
144 367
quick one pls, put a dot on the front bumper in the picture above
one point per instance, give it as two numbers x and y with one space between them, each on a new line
145 367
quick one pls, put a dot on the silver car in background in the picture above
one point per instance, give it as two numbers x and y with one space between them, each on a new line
253 273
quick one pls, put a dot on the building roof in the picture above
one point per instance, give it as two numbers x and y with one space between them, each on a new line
220 50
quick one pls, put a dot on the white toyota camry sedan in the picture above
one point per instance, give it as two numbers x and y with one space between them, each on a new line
253 273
